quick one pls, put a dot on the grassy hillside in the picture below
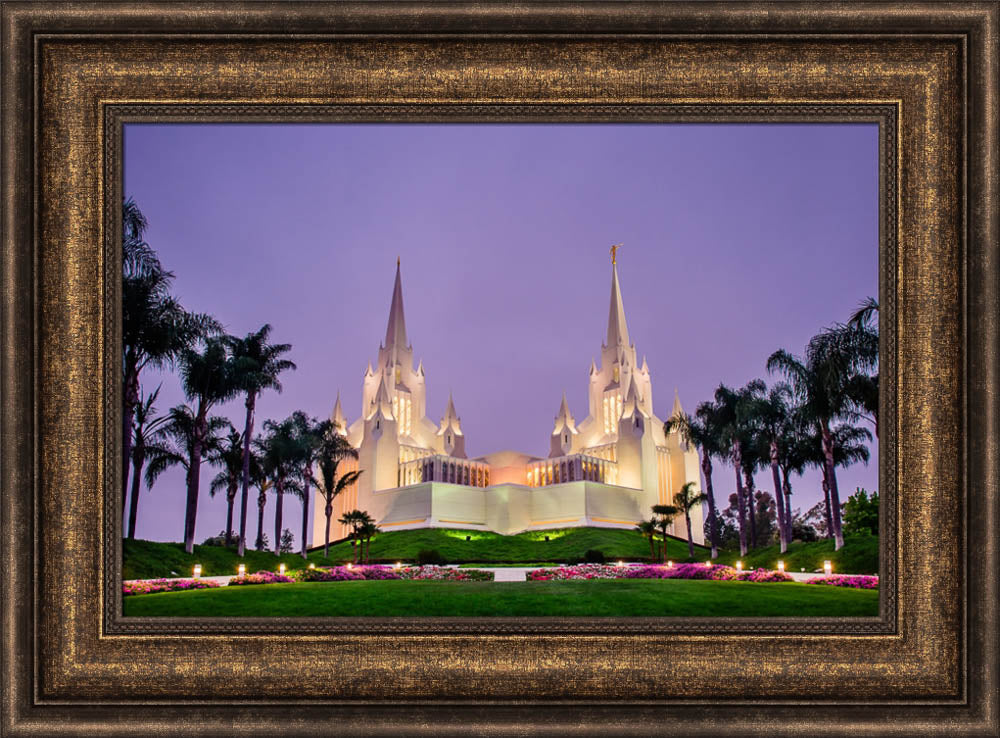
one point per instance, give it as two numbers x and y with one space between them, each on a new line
858 556
145 559
601 598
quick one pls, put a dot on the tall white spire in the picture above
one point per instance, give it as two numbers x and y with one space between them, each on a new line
338 416
617 328
395 331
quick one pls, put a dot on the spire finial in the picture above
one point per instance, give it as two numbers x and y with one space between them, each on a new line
614 252
397 261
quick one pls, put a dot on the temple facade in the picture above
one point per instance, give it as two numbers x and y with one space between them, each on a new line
607 470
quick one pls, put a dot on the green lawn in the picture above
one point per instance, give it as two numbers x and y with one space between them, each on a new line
597 598
858 556
147 559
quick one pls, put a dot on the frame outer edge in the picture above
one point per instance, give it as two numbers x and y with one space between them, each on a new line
16 381
16 371
982 155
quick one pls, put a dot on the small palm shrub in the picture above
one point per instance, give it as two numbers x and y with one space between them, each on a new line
430 556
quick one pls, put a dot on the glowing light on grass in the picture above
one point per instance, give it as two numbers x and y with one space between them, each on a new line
398 566
781 566
827 568
739 566
621 563
312 566
670 564
242 570
281 569
197 571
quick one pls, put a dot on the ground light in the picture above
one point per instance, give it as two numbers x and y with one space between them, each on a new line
708 563
281 569
197 571
827 568
781 566
739 566
242 570
312 566
670 564
621 563
398 565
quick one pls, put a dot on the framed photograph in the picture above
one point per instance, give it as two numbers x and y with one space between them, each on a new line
809 188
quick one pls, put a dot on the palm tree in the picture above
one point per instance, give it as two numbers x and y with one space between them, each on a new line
685 499
665 515
332 451
821 383
147 423
229 457
355 519
280 460
155 327
366 531
262 481
774 415
309 435
735 420
207 379
257 366
648 529
861 338
173 444
702 432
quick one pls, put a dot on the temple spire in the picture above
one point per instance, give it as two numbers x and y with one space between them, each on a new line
338 416
395 331
617 328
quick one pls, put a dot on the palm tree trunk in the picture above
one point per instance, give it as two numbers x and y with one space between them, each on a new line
652 550
354 547
751 505
280 488
247 433
326 541
826 500
739 504
128 423
261 501
194 477
834 493
230 503
776 478
687 519
713 520
305 522
664 550
786 488
136 479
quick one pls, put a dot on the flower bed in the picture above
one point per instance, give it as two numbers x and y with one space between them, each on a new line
260 577
579 571
152 586
858 581
716 572
443 574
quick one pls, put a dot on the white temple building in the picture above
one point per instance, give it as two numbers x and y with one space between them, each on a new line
607 470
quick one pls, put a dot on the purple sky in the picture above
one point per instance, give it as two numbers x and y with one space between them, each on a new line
739 239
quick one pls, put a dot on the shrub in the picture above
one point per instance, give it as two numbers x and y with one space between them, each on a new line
152 586
261 577
438 574
430 556
333 574
843 580
220 540
287 541
594 556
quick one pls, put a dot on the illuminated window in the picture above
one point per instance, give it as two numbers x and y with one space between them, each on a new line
615 374
397 374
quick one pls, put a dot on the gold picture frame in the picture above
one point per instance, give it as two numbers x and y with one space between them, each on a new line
74 74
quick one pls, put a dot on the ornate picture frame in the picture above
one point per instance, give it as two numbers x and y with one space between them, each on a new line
75 74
